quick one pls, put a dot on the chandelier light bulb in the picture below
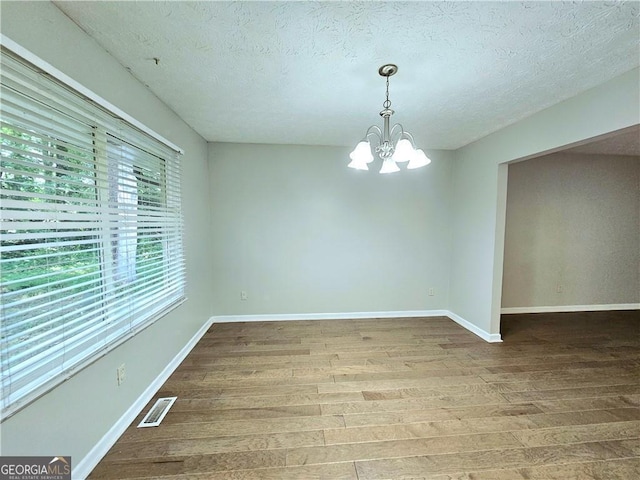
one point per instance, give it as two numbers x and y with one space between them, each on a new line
361 155
419 159
389 166
404 151
358 165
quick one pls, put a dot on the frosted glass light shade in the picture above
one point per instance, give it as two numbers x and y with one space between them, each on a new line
389 166
404 151
418 159
360 156
358 165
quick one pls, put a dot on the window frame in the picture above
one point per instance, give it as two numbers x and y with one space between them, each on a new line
114 336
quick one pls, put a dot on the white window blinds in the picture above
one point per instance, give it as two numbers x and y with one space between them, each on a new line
91 231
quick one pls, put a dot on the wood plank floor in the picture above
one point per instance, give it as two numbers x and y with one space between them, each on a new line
399 399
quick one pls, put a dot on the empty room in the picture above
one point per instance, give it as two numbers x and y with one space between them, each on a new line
320 240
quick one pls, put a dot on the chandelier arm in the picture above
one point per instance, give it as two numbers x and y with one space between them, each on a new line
398 130
374 130
408 135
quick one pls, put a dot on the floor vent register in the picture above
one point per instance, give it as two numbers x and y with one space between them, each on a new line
157 412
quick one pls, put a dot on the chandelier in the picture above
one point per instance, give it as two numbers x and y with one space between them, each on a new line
395 145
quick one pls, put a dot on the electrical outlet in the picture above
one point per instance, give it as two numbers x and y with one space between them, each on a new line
120 374
559 288
432 292
243 295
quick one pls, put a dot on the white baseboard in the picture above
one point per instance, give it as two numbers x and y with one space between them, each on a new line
280 317
89 462
486 336
571 308
356 315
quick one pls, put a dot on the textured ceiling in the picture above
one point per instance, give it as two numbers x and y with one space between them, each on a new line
306 72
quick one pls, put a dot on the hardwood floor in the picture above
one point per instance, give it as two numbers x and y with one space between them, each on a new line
399 399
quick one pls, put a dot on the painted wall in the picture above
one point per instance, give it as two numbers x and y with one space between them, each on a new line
301 233
72 418
480 186
572 231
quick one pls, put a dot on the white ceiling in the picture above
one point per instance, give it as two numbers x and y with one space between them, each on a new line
306 72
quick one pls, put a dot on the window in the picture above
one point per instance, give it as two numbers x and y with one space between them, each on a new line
91 231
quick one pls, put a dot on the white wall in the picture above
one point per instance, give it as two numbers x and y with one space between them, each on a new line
573 221
480 185
72 418
301 233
